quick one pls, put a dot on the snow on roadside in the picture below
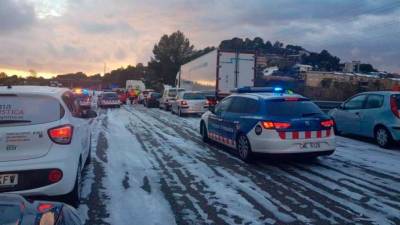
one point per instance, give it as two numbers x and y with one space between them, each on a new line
132 182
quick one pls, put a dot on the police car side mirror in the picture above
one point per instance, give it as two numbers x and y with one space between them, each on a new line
88 114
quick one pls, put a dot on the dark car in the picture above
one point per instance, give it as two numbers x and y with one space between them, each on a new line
15 210
152 100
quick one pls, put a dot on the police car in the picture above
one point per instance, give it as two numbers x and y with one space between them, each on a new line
271 121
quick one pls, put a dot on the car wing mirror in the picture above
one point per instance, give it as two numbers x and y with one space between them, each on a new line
88 114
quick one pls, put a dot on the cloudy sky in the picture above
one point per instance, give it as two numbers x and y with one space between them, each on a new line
60 36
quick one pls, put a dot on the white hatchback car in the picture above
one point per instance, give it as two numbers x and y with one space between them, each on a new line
44 141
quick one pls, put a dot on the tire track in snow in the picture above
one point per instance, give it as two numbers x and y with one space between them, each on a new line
197 187
358 188
344 212
235 162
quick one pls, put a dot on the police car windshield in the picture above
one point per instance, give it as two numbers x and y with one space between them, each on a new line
301 108
194 96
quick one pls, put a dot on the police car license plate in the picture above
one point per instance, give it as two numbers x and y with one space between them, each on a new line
310 145
8 179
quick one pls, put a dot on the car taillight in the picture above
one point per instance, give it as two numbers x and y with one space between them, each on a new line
183 102
61 135
275 125
394 107
327 123
55 175
44 207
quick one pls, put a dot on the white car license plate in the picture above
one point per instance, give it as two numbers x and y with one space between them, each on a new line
8 179
310 145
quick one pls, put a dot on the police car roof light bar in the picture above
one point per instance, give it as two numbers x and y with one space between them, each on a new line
261 90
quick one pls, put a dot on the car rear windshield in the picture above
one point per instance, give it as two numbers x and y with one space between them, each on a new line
110 96
194 96
300 108
9 214
173 92
29 110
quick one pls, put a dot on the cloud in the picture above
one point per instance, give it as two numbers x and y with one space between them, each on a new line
15 15
82 35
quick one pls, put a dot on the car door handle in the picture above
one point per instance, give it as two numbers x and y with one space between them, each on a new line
357 113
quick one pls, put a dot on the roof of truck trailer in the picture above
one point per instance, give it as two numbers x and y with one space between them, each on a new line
268 95
43 90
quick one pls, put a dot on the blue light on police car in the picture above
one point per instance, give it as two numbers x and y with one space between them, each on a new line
278 89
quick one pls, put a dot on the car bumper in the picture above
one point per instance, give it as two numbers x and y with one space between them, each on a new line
193 111
25 169
269 142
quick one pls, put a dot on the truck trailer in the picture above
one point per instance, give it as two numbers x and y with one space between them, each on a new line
219 71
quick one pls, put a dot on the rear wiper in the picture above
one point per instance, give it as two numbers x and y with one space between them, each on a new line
311 114
14 121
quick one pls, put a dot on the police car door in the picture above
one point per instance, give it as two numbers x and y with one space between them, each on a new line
215 119
240 116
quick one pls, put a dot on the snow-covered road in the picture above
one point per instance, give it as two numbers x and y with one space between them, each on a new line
151 167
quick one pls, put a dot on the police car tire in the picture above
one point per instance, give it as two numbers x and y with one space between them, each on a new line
244 153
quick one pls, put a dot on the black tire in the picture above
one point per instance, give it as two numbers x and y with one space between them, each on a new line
204 132
383 137
243 147
180 112
89 158
73 198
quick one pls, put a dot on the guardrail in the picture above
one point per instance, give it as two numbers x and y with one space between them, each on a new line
327 105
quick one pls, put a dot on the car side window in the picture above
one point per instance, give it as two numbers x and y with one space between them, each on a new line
374 101
243 105
223 106
355 103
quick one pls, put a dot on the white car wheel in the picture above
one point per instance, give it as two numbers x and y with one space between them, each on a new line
383 137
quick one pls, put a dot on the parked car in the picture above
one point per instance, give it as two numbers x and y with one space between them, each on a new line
108 99
168 97
269 121
144 95
189 102
370 114
15 210
153 100
45 140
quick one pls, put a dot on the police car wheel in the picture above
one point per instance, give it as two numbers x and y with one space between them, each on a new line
243 147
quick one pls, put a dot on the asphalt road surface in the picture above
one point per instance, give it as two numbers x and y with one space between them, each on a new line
151 167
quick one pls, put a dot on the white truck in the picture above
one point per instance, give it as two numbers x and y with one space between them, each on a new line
135 84
219 71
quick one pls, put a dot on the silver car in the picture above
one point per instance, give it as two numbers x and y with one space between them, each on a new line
189 102
169 97
370 114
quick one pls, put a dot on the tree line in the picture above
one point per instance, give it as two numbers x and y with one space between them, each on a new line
174 50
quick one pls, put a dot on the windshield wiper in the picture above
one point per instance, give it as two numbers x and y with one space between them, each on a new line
14 121
311 114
